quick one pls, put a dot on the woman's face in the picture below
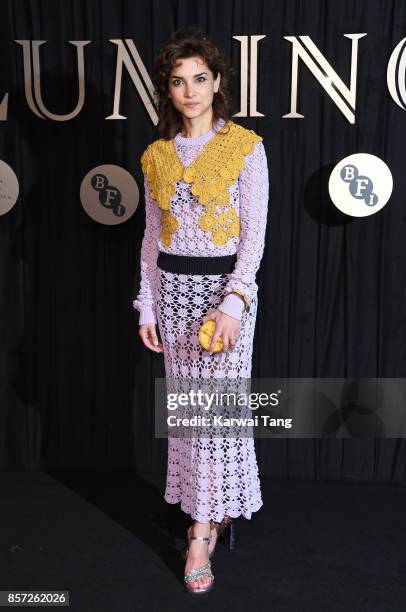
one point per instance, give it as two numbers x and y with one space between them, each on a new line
191 87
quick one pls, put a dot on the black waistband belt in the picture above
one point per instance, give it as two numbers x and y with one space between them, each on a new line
183 264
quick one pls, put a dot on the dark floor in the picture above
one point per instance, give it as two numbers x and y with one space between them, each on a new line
106 537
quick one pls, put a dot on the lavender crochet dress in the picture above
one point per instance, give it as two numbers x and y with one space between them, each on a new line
210 477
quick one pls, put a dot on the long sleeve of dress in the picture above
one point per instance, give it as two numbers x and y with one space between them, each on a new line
254 193
145 301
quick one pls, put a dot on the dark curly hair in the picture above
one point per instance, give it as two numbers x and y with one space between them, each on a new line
182 44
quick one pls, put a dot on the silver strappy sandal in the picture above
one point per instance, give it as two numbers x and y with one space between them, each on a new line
199 572
225 531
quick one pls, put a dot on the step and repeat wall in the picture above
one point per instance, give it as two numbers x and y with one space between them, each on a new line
324 84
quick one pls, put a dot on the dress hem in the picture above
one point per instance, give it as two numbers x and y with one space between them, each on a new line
205 519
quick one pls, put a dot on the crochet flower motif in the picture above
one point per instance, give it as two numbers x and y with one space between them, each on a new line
211 174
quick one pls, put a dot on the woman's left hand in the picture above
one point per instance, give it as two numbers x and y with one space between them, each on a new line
226 326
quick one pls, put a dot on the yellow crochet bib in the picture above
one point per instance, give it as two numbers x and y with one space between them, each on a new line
211 174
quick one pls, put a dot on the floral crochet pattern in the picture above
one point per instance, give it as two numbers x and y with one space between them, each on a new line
209 476
211 173
248 196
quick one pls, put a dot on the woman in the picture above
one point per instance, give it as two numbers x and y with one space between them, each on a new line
206 198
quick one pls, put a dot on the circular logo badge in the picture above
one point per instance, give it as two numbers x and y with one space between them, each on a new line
109 194
360 185
9 188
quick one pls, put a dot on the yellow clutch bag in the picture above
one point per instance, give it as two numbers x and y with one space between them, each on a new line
206 333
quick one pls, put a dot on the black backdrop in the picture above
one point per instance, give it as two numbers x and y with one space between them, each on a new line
76 382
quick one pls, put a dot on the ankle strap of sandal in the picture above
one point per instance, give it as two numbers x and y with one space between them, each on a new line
208 538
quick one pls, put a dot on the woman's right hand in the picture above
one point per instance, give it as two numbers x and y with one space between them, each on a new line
147 331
